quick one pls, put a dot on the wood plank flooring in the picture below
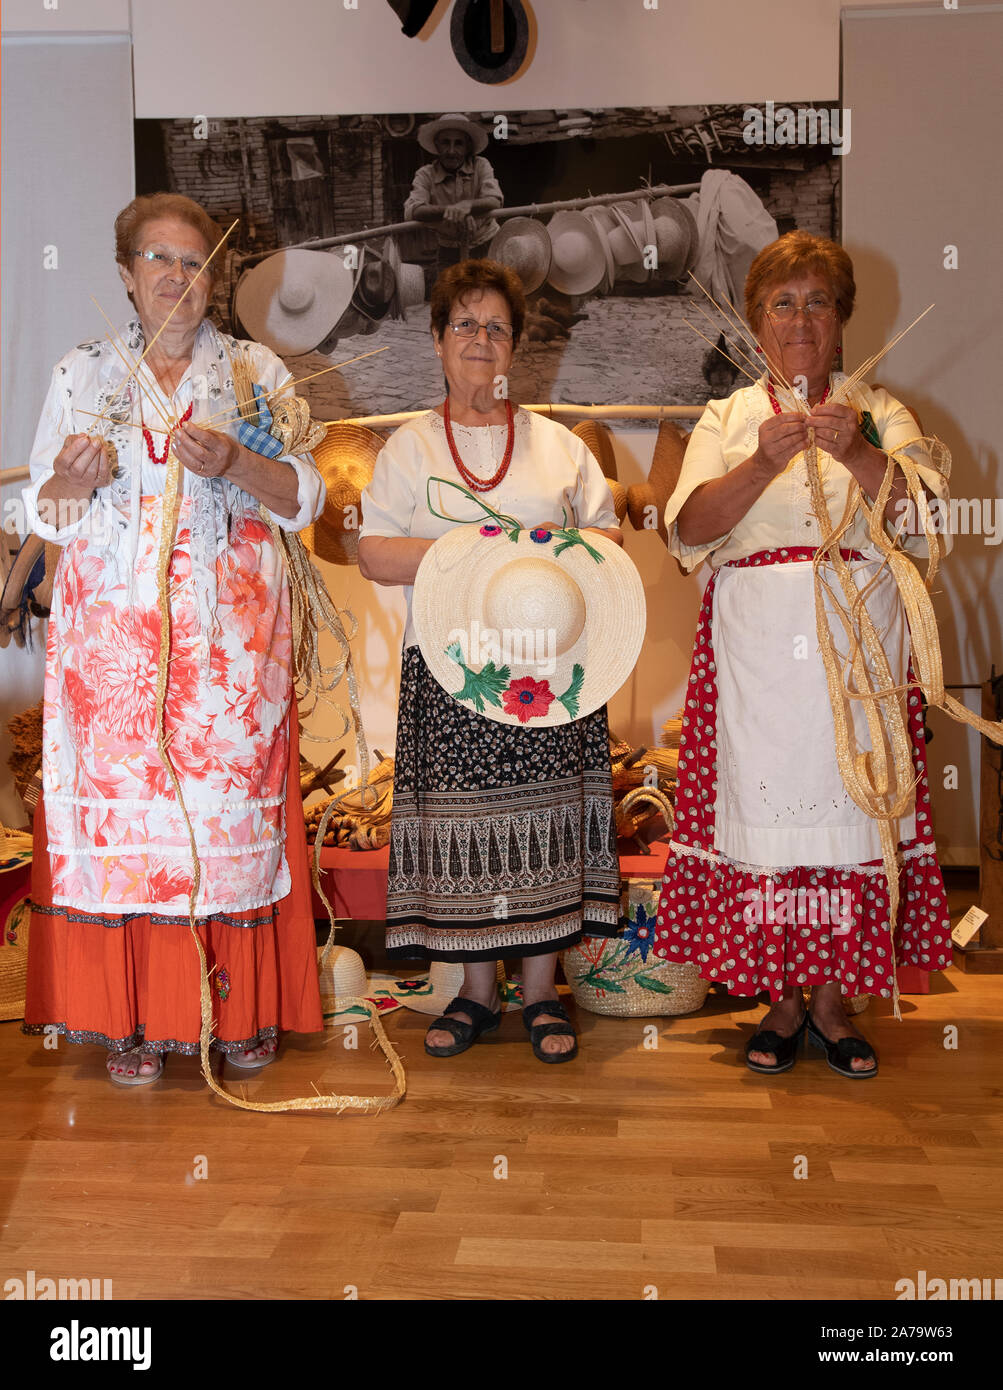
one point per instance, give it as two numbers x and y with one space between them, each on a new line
628 1168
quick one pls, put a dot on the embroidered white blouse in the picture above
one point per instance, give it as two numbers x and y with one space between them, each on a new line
553 478
727 433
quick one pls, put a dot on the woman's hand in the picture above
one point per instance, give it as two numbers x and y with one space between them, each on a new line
208 453
780 439
82 464
837 431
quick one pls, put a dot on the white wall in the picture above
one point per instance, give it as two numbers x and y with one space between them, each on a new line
924 174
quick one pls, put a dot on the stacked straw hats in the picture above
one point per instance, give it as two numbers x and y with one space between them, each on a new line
525 628
345 458
524 245
676 238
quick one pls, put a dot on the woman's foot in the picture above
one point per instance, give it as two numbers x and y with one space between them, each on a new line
437 1038
829 1018
257 1056
134 1066
553 1043
556 1044
784 1018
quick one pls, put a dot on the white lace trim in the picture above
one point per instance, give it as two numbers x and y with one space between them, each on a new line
774 870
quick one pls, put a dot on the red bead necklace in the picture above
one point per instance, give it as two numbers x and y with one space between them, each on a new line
474 483
776 404
148 437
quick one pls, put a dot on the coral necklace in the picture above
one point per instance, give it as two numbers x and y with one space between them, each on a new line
148 437
776 404
472 481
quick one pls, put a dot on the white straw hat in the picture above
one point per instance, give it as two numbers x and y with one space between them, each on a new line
452 120
578 261
535 628
291 301
523 244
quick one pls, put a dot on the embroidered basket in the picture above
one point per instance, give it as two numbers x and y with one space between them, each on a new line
620 976
14 918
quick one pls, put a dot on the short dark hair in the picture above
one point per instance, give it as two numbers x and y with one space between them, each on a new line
148 207
477 276
791 256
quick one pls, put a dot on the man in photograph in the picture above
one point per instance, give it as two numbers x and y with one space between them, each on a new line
455 180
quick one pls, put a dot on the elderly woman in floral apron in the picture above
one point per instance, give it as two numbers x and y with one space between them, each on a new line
111 958
774 880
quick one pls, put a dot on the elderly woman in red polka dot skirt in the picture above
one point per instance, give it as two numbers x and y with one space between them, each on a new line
774 880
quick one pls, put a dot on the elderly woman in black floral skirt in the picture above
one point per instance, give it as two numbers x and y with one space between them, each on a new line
541 797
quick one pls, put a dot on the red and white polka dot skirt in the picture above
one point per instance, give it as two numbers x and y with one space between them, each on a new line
807 925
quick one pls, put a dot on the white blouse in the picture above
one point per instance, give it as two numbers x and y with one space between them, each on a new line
727 433
89 370
553 479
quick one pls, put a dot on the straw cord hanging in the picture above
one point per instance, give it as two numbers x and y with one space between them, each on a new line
365 1104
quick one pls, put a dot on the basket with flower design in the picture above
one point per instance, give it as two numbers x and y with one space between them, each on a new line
619 975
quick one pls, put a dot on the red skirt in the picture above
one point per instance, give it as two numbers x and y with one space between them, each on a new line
804 924
124 981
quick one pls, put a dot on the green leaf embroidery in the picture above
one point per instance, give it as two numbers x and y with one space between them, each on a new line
649 982
603 982
570 697
572 536
478 686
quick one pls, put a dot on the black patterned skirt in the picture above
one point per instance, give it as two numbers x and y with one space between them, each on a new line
503 842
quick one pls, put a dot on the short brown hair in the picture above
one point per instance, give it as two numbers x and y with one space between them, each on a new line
471 277
794 255
149 206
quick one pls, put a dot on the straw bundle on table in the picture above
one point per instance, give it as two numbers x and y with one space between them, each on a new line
358 826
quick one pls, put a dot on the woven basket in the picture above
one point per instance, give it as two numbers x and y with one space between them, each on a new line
14 919
619 976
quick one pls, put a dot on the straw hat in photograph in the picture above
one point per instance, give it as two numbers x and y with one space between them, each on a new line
27 590
345 458
292 300
578 261
626 241
452 120
524 245
409 279
675 237
604 222
598 439
528 629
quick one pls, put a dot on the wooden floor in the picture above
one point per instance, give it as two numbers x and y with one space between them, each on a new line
629 1168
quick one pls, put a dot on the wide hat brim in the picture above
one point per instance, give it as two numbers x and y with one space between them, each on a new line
569 279
449 600
452 120
470 36
602 219
320 280
682 233
534 239
345 458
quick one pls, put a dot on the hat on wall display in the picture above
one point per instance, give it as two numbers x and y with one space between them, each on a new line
345 458
413 14
535 627
292 300
490 38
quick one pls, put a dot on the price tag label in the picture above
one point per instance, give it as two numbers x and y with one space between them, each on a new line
968 926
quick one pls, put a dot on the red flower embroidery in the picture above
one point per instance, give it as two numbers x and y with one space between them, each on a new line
527 699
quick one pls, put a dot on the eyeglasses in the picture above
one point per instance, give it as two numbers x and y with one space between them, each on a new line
162 260
818 307
469 328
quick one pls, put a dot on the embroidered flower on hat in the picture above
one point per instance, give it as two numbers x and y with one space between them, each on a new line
490 529
540 534
526 697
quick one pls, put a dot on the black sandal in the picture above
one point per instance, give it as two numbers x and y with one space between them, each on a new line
840 1054
466 1034
784 1049
540 1031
